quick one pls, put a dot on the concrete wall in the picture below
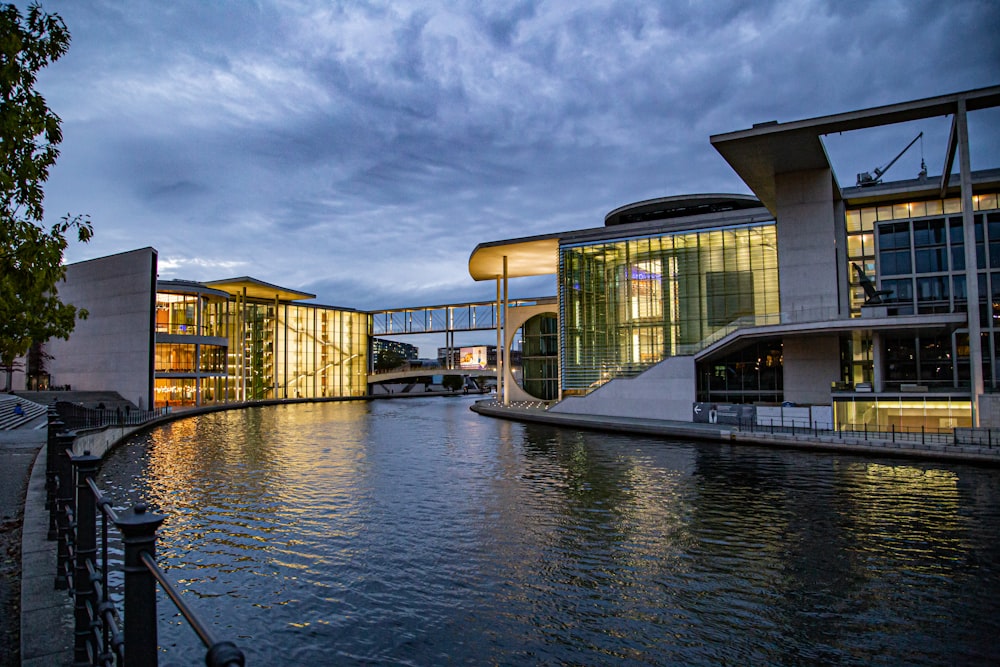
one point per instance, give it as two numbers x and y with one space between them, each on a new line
112 350
989 411
811 365
665 391
807 234
516 319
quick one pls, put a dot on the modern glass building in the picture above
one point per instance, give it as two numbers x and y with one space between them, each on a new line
245 340
851 299
629 303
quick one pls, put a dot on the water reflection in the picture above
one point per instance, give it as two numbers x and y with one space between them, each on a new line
415 532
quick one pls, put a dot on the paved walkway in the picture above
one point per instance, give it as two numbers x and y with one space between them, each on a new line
28 559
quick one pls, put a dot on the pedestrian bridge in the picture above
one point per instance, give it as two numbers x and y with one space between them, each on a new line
413 373
448 318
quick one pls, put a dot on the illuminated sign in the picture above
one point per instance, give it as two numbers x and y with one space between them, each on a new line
473 358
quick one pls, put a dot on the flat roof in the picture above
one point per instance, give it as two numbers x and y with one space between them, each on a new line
527 256
539 255
758 154
258 289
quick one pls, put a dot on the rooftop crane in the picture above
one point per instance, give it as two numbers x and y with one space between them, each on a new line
865 178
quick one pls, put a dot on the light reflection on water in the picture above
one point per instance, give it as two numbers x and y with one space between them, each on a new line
416 532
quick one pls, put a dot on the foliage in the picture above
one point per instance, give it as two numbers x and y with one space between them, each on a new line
30 255
388 360
452 382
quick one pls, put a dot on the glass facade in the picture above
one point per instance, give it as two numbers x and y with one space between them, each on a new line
917 252
221 348
540 357
322 352
882 413
190 342
629 303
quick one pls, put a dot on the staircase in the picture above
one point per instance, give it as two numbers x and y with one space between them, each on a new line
9 420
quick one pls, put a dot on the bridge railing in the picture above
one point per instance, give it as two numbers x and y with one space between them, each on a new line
79 512
77 416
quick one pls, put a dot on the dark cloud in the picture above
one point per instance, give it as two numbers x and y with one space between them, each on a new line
361 150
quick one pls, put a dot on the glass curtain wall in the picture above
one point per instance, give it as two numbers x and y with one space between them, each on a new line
189 368
539 357
322 352
917 251
627 304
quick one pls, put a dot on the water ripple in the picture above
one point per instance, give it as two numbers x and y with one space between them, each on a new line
415 533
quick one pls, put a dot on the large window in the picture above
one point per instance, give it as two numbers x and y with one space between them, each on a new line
539 357
628 304
177 313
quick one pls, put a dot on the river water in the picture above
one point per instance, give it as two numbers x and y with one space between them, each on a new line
415 532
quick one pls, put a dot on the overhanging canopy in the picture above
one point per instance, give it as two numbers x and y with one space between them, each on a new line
258 289
768 149
531 256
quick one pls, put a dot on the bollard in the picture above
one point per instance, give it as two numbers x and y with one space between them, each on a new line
85 598
65 501
139 535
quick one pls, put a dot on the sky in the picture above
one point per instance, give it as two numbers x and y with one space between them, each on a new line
360 150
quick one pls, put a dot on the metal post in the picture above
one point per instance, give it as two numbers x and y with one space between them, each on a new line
506 336
64 508
139 535
85 599
893 425
52 473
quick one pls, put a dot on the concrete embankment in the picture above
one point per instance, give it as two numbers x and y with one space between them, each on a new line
827 441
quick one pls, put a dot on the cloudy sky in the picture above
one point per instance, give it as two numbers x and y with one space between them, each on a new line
360 150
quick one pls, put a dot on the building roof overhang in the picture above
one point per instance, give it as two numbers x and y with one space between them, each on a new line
258 289
528 256
768 149
190 287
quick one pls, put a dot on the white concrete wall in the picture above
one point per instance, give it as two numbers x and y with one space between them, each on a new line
810 365
665 391
516 319
807 235
112 349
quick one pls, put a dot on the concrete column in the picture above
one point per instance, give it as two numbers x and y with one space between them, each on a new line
971 271
499 312
878 383
506 359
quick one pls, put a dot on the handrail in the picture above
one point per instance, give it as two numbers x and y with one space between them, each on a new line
76 504
78 416
220 654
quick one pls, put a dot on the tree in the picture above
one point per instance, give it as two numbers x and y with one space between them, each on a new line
388 360
452 382
30 255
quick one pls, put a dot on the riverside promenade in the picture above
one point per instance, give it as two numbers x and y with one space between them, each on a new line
36 629
877 444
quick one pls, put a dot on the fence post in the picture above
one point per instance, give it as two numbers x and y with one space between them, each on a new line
139 535
893 428
65 502
52 471
85 598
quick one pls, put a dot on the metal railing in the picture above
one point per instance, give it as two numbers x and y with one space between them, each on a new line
922 435
76 416
75 504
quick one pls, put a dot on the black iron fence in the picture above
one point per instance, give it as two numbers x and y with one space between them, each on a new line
80 518
923 435
75 416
